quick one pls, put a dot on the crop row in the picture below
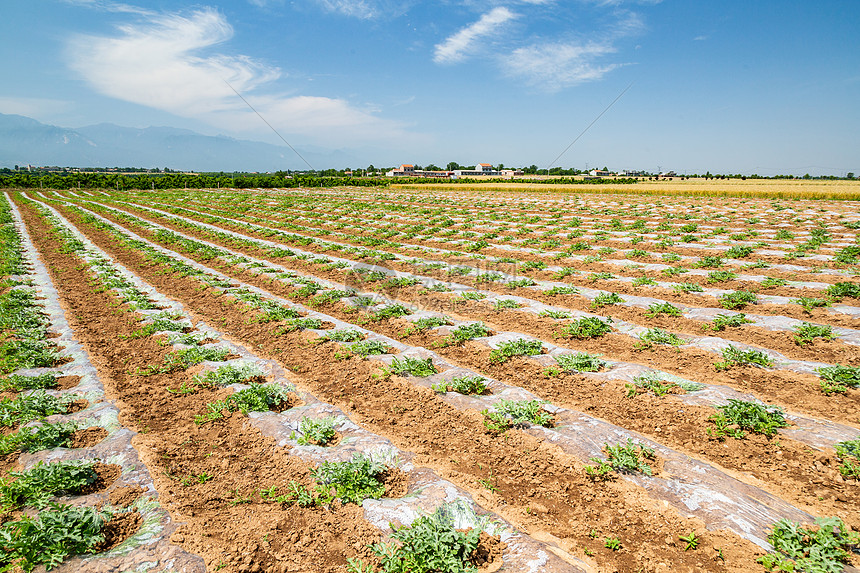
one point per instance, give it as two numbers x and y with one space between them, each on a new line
65 440
685 292
645 336
309 427
475 227
383 233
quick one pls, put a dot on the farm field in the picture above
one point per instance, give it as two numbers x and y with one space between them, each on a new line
351 379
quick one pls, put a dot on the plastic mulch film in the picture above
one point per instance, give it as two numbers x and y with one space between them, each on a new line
427 492
149 548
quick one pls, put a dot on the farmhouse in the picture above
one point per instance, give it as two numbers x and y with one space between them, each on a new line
408 170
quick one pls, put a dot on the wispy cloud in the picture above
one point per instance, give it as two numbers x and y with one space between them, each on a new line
584 51
169 61
457 46
556 66
364 9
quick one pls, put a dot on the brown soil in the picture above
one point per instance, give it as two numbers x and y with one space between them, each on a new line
836 351
811 275
487 557
396 482
120 527
88 437
77 405
743 457
107 474
67 382
239 458
125 496
527 472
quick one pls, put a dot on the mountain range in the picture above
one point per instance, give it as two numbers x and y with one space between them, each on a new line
25 141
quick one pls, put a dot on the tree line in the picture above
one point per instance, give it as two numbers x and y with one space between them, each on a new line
176 181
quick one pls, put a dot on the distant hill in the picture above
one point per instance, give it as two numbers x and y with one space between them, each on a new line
26 141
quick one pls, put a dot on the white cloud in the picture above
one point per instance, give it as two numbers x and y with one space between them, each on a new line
167 61
355 8
560 65
457 46
364 9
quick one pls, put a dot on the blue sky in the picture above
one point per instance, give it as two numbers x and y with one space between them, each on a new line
734 86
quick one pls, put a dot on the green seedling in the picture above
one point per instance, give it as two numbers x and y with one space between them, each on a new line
601 471
228 374
420 367
838 291
629 457
739 252
643 281
343 335
687 287
674 271
51 536
848 453
317 432
367 348
824 548
709 263
806 333
186 358
723 321
532 265
604 276
511 348
660 336
300 324
17 383
504 304
737 299
810 303
738 417
558 290
554 314
425 324
35 487
257 398
771 282
469 331
587 327
390 311
464 385
512 413
43 437
733 356
612 543
666 308
354 480
691 542
652 382
606 299
520 283
838 379
721 276
580 362
471 295
431 543
34 406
